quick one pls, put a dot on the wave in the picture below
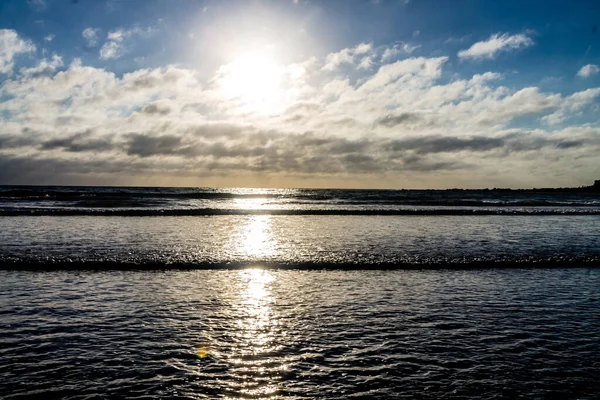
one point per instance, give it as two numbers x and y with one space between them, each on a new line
462 203
70 195
139 197
6 212
47 263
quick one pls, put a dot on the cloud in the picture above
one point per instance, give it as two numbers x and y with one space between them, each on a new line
257 151
390 121
114 47
44 67
49 38
346 56
588 70
91 36
111 50
10 46
146 146
398 122
159 108
572 106
12 142
392 52
79 142
365 63
423 68
496 44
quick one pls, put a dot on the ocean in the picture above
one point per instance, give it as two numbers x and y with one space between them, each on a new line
120 292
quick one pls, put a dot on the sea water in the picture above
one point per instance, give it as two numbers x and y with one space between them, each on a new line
265 293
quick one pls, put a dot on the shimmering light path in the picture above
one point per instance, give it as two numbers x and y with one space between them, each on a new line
312 241
301 334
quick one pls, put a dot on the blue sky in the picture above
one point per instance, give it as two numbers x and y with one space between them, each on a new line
388 93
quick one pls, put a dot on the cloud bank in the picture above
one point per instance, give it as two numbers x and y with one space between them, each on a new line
402 123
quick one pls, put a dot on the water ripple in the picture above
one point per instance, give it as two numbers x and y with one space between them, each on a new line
300 334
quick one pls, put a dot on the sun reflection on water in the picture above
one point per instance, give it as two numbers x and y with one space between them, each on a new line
256 238
256 203
257 335
255 324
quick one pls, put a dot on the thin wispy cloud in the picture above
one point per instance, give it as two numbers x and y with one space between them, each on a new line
91 36
37 5
496 44
114 47
398 49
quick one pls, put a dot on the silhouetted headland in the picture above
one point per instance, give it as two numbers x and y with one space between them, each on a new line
581 189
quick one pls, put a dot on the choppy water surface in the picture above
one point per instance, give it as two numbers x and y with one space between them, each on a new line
309 241
301 334
325 319
152 201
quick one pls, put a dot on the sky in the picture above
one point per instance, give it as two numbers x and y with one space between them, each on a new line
300 93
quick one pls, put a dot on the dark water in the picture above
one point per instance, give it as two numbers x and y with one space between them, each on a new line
518 333
298 293
124 201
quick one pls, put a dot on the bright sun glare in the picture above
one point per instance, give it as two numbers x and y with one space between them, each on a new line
255 79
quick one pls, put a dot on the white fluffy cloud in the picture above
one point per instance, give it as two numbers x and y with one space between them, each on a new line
111 50
588 70
496 44
346 56
45 67
10 46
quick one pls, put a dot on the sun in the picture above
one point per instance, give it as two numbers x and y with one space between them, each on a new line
255 79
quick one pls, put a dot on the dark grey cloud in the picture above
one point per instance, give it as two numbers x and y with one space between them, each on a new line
569 144
221 150
68 120
146 145
79 142
154 108
421 164
44 170
341 146
390 121
216 131
519 142
12 142
447 144
227 149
